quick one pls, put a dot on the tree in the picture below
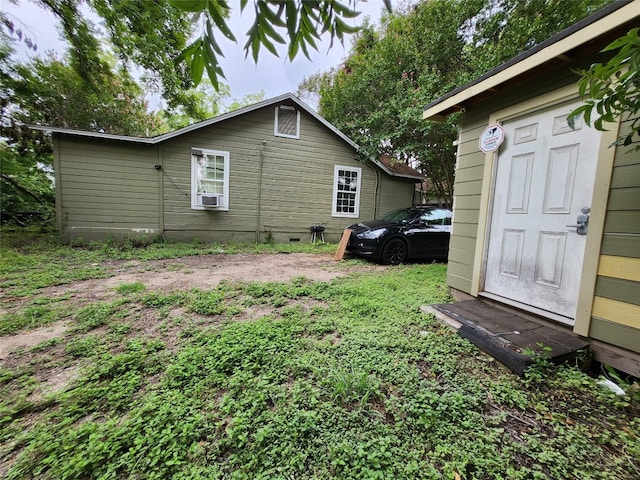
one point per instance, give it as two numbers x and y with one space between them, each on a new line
205 102
612 89
303 22
51 92
378 96
153 36
420 54
507 28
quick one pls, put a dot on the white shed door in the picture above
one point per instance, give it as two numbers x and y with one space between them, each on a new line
544 177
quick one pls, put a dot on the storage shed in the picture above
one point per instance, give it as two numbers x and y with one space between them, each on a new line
548 222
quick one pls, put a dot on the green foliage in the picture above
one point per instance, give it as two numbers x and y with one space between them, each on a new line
509 27
30 317
50 92
26 189
302 22
84 346
149 37
612 89
128 288
347 386
207 303
420 54
341 379
93 316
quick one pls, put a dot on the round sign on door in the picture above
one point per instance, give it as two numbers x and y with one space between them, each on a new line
491 138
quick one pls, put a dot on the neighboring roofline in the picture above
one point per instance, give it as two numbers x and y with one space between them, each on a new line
417 178
211 121
388 167
593 26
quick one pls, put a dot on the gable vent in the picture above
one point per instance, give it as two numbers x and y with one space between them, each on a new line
287 121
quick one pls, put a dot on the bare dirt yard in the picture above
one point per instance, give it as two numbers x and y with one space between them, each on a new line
186 273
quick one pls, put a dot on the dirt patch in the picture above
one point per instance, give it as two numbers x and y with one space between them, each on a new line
207 271
200 272
11 343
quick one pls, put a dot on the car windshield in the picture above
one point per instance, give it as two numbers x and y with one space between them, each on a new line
404 214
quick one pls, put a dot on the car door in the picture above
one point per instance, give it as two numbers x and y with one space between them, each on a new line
429 236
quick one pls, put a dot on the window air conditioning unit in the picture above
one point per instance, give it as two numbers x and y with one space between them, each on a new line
211 200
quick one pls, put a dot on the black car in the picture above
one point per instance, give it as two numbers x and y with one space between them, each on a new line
415 233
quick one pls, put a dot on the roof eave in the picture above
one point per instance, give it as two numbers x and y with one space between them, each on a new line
220 118
556 47
89 134
383 167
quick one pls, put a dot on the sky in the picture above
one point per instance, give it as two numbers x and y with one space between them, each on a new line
272 75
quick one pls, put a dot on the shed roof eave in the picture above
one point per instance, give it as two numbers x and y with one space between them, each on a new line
598 24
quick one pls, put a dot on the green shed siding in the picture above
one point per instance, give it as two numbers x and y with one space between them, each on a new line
470 170
622 290
106 189
621 238
466 205
615 334
608 300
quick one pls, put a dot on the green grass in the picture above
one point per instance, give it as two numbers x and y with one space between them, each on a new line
344 379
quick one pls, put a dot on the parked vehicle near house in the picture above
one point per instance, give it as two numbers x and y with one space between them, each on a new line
415 233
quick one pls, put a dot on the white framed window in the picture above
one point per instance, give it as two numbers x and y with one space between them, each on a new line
209 179
287 122
346 191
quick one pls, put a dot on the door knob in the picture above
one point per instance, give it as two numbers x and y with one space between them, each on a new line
582 221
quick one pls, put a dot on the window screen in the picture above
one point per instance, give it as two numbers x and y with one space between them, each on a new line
287 122
210 173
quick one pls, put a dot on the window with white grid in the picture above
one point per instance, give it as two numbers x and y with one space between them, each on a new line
346 191
209 179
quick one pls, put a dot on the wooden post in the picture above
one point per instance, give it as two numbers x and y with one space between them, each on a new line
342 245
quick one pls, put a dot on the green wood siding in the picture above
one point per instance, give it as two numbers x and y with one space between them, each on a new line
466 204
296 188
278 187
621 238
106 189
394 193
615 334
626 291
622 224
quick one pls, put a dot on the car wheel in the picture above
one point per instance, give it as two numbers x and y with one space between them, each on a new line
394 252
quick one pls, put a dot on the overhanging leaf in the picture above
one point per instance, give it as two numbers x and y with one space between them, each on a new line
189 5
216 14
197 66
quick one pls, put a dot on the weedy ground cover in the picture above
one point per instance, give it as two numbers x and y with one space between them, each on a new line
339 379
